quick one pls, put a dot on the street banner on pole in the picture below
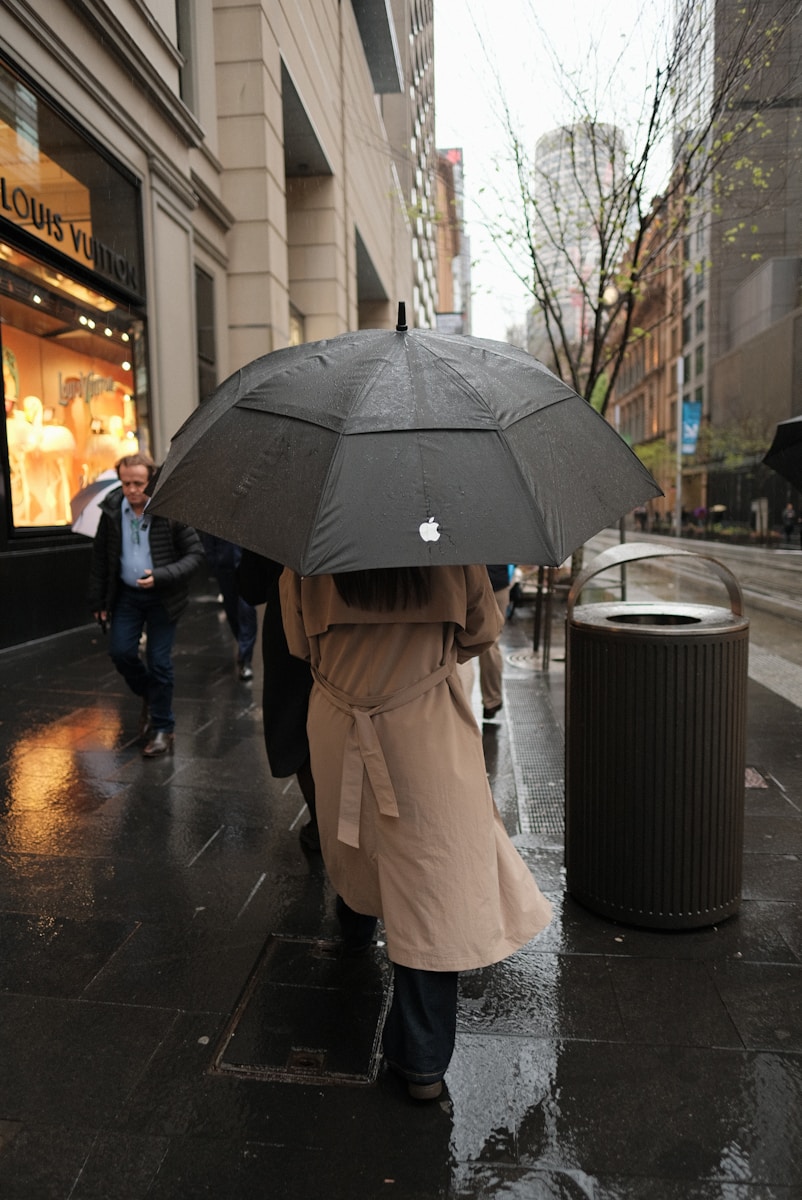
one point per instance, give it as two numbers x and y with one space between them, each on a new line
691 417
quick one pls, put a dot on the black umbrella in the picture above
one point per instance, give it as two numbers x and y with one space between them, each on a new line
399 448
785 452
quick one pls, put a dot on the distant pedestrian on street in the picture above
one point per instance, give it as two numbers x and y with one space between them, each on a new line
223 558
789 521
139 582
408 827
286 684
491 663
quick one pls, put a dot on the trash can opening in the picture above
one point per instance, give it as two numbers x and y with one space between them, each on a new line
647 618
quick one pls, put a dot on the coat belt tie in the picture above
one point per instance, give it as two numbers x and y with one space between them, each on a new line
363 754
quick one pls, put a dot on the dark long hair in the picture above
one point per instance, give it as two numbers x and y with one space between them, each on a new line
384 589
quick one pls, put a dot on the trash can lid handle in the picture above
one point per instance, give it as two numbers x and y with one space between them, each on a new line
633 551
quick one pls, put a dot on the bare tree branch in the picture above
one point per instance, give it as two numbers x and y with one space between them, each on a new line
586 239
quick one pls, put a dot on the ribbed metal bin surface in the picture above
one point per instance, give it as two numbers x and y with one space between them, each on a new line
655 760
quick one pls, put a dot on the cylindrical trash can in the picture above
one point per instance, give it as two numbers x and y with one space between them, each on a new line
655 752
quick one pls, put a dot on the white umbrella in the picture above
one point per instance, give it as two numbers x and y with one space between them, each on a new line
85 505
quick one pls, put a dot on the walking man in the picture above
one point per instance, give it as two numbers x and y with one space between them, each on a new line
139 581
224 558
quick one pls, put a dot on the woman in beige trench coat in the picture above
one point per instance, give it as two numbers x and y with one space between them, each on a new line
408 827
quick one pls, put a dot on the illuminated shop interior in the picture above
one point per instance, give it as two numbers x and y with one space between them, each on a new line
69 357
74 361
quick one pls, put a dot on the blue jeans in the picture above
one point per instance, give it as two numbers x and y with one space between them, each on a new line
137 610
421 1026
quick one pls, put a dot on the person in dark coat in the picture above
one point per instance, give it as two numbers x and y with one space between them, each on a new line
223 558
287 683
139 581
789 521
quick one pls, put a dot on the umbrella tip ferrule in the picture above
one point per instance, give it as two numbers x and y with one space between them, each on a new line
402 326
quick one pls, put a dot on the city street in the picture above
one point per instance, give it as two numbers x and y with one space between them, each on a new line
349 284
175 1022
770 580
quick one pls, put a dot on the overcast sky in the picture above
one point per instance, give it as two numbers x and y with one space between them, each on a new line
609 48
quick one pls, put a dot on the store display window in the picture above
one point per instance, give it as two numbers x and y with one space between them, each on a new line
72 327
69 370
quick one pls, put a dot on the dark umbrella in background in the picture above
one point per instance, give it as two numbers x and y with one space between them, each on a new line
399 448
785 452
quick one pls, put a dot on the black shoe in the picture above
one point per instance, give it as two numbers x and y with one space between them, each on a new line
162 742
309 837
489 713
417 1091
426 1091
245 672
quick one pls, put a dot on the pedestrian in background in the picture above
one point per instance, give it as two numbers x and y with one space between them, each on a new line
139 582
223 558
789 521
408 827
491 663
286 684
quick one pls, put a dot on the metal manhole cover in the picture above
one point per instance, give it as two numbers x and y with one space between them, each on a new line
306 1015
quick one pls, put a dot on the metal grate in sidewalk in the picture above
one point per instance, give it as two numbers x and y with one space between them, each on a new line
307 1015
538 755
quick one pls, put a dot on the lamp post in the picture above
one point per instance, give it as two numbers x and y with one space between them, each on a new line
678 487
609 299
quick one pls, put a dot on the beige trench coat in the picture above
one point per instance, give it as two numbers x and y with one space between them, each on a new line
408 827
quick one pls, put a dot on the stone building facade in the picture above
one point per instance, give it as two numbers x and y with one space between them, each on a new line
187 185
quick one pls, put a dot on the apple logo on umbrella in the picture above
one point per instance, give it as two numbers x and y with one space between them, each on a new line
430 530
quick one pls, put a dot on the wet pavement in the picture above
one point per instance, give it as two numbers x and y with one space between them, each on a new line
175 1021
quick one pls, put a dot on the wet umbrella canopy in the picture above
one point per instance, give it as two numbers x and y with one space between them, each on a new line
785 452
397 448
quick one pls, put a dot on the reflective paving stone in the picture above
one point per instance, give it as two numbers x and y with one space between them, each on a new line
700 1114
55 956
600 1061
70 1062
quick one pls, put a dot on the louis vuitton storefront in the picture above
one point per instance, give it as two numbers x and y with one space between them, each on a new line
73 336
